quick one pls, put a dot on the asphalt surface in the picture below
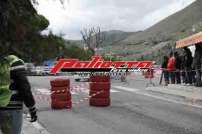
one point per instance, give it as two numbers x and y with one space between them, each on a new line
129 113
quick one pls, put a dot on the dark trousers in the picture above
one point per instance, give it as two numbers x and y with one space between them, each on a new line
189 76
198 78
172 77
183 76
166 76
178 77
193 76
11 121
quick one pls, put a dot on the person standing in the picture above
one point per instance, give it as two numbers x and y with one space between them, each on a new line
188 59
178 68
11 112
183 72
171 68
197 61
164 70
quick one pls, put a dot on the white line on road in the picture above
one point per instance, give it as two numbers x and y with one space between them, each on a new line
44 91
154 96
74 92
114 91
126 88
111 90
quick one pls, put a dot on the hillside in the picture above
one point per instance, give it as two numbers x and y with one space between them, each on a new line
159 39
111 38
114 36
168 27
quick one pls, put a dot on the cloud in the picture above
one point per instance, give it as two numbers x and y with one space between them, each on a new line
158 15
126 15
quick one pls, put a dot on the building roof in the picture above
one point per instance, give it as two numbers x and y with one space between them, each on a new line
194 39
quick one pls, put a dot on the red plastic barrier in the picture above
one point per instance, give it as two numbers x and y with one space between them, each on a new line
60 94
61 97
60 89
100 91
99 86
100 102
104 94
60 83
104 78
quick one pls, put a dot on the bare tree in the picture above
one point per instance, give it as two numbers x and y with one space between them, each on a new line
87 35
92 37
99 37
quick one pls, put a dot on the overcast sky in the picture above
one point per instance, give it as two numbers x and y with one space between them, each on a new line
126 15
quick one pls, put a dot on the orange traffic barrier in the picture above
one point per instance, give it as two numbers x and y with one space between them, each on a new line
60 83
100 102
102 85
98 78
61 95
104 94
98 86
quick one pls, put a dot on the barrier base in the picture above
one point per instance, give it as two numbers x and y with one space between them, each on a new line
97 102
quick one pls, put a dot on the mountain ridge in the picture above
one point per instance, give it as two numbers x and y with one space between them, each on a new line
177 22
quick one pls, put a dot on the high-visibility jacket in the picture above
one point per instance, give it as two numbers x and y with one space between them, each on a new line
5 92
20 87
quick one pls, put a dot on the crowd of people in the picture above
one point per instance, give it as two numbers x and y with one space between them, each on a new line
183 68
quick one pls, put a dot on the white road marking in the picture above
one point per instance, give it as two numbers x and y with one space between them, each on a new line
114 91
75 91
155 97
126 88
44 91
111 90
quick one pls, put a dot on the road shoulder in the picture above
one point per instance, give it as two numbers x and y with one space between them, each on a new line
189 94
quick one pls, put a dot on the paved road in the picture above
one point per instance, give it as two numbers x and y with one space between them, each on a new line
130 113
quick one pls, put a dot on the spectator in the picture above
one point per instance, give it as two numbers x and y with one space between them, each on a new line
14 83
171 68
187 63
183 68
197 61
183 75
178 68
165 71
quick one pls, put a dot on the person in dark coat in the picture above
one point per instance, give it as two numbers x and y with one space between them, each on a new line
183 72
187 63
178 68
197 63
165 71
11 115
